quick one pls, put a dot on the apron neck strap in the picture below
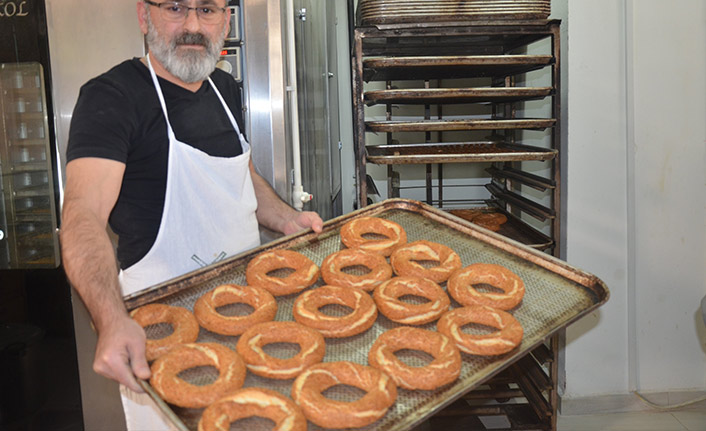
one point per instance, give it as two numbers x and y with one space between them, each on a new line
170 131
157 87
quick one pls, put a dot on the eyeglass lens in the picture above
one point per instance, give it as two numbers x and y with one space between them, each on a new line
178 12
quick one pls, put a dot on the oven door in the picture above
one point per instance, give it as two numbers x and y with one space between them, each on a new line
28 216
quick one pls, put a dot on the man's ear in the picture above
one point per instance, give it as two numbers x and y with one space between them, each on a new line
227 19
142 15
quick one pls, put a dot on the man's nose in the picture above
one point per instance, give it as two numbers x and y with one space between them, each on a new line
192 22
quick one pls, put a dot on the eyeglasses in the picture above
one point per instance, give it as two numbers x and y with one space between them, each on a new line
177 12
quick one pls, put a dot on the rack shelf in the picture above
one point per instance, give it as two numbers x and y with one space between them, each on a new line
455 152
442 96
450 67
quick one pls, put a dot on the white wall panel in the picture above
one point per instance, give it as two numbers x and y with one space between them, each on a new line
669 70
636 179
596 351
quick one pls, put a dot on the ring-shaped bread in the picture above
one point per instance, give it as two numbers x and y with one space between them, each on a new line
461 286
405 260
249 402
185 328
206 313
442 370
307 390
305 272
388 300
333 265
312 348
307 306
490 218
508 335
165 374
490 221
352 235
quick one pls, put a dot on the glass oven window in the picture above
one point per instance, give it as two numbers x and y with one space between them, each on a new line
28 237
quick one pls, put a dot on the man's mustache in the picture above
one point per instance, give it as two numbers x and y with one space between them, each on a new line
192 39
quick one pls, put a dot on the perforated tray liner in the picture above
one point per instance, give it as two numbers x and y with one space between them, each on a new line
556 295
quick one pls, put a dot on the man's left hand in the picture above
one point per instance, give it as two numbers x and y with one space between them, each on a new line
304 220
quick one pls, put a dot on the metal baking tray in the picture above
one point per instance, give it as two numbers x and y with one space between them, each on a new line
516 229
459 125
455 152
445 67
396 11
445 96
557 294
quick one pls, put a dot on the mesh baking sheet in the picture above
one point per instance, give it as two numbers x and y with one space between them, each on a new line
556 295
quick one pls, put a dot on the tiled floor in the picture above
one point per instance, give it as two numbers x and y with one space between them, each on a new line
691 418
688 419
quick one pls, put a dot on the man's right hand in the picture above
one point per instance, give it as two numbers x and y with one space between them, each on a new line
120 353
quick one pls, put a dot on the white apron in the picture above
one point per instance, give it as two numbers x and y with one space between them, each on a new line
209 214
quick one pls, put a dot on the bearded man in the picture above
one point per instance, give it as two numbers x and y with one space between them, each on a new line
156 150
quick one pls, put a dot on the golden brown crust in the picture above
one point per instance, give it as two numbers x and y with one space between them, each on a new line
249 402
171 388
185 328
307 305
312 349
442 370
488 220
460 286
263 303
305 272
508 336
325 412
333 265
466 214
405 259
353 231
387 298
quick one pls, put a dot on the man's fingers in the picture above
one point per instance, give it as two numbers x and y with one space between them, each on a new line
128 379
120 354
118 370
312 220
138 361
318 225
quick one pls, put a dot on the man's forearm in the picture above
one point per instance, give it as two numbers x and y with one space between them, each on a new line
272 211
90 265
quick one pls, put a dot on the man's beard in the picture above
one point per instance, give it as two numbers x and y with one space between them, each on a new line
189 65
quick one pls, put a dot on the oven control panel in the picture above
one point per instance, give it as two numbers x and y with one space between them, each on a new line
232 54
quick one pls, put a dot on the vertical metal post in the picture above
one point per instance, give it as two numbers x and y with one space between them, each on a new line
359 118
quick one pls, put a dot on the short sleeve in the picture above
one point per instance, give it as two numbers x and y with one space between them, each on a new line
103 122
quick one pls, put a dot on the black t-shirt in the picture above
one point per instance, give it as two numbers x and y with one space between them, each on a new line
118 117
